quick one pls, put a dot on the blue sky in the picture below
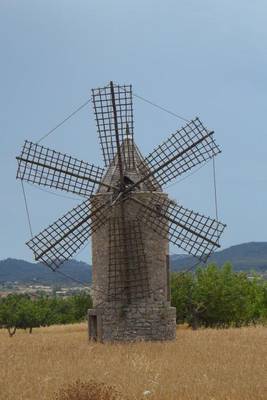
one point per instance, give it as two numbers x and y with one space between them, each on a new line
197 58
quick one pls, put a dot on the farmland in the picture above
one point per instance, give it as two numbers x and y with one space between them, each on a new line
205 364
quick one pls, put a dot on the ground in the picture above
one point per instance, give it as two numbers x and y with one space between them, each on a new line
200 365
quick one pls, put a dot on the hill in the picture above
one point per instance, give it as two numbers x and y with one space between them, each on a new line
21 271
244 257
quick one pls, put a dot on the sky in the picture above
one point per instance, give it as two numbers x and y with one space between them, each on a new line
196 58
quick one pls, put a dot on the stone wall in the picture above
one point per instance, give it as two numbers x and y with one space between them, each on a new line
155 247
150 318
134 322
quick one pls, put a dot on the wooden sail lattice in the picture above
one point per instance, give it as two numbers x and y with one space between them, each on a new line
104 115
192 232
193 142
45 167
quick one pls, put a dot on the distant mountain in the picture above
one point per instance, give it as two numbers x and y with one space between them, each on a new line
13 270
244 257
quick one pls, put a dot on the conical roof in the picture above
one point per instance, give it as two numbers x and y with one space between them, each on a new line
134 169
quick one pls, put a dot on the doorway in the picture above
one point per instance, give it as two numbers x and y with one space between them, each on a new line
94 326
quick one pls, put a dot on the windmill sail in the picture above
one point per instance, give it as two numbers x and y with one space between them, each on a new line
46 167
189 146
106 121
197 234
61 240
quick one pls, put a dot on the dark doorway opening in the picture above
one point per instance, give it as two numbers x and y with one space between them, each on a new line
93 334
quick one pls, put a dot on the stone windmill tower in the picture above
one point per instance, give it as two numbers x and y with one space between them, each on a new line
130 218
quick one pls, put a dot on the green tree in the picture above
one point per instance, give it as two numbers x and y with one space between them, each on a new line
22 312
218 297
80 304
9 312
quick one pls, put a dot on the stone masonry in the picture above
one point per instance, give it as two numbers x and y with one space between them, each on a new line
148 315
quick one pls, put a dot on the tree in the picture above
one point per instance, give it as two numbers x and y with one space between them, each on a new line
218 297
80 304
22 312
28 316
9 313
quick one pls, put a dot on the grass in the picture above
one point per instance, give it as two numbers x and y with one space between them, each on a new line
200 365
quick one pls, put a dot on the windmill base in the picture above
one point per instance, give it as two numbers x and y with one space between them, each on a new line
126 323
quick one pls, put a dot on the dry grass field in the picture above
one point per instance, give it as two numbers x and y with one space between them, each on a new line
199 365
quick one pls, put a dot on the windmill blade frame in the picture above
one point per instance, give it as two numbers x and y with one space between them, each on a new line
103 103
46 167
62 239
189 146
192 232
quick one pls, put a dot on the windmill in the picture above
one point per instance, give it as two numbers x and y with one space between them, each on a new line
130 218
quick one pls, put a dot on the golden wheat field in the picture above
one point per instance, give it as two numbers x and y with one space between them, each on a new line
200 365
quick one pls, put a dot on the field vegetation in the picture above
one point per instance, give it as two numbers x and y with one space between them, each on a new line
206 364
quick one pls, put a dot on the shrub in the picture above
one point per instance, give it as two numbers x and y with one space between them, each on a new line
90 390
